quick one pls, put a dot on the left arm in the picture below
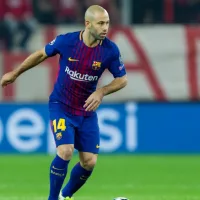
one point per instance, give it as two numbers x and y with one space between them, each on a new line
94 100
117 84
117 69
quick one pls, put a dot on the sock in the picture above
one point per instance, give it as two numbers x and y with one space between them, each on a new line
78 177
58 171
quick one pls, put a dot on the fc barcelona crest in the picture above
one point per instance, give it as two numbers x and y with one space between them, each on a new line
58 136
96 65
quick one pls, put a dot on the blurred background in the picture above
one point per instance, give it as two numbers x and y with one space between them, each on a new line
150 133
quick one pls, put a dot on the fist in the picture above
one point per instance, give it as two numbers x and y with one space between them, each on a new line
8 78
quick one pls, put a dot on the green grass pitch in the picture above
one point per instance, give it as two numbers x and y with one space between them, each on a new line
138 177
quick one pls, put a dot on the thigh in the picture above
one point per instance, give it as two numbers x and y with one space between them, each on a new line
87 136
61 126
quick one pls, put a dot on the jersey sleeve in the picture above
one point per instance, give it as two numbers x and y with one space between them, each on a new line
55 46
116 65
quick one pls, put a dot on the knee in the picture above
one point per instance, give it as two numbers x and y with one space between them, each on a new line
89 163
65 151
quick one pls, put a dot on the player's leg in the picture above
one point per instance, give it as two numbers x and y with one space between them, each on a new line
63 132
58 169
87 142
80 173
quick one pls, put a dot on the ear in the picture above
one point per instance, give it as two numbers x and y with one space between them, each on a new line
87 24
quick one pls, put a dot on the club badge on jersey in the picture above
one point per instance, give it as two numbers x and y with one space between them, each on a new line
96 65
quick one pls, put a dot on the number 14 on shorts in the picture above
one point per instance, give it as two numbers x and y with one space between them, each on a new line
59 125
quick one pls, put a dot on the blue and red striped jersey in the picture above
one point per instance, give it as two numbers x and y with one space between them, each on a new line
80 69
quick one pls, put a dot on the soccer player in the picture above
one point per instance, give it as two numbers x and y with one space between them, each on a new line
84 55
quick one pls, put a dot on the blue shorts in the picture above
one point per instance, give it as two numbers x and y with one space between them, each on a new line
81 131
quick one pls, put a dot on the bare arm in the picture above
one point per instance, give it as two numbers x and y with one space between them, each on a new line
115 85
96 97
30 62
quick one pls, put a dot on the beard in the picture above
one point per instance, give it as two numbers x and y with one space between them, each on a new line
97 36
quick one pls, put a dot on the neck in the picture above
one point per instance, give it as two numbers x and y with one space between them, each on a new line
89 40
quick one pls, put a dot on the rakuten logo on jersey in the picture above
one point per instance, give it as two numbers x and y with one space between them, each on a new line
80 77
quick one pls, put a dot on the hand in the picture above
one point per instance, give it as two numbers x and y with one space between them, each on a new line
8 78
94 100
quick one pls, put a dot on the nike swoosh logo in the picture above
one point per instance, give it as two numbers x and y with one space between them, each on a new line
72 60
57 168
84 178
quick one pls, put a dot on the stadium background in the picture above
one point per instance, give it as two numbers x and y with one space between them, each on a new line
150 141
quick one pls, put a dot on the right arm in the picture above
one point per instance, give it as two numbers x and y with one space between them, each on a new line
30 62
34 59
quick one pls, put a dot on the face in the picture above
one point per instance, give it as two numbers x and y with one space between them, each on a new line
98 27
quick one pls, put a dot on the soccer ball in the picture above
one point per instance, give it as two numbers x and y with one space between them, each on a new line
120 198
